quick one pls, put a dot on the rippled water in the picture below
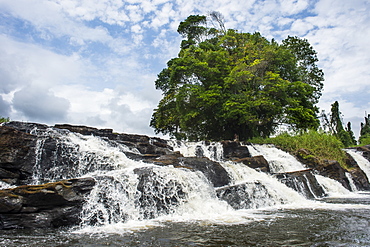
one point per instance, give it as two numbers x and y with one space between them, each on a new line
332 222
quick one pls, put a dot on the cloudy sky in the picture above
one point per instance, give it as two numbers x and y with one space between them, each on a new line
94 62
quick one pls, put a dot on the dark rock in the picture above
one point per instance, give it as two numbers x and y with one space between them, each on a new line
365 151
52 204
144 144
304 182
360 179
17 154
57 217
328 168
26 127
246 195
256 162
84 130
213 171
233 150
158 195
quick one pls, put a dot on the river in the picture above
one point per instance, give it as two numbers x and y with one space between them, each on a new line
340 221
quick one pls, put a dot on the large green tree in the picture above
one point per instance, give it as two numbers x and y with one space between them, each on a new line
225 83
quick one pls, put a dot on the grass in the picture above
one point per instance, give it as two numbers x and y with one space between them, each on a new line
321 145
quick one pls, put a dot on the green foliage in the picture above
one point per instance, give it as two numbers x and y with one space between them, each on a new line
225 83
365 132
320 145
365 140
334 124
4 120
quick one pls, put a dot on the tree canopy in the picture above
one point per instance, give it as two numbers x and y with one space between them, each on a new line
225 83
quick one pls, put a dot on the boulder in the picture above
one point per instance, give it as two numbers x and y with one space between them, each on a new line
328 168
213 171
359 178
17 155
304 182
246 195
234 150
256 162
47 205
157 195
365 151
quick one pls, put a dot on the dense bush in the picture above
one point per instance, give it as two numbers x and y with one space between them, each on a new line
321 145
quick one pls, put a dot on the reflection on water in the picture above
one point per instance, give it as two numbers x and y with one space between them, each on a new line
337 222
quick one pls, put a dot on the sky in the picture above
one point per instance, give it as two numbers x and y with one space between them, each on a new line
94 62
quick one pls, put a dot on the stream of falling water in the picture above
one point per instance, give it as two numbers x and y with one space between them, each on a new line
362 162
115 204
175 202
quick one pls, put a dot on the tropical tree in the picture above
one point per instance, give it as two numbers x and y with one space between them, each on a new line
225 83
334 124
365 131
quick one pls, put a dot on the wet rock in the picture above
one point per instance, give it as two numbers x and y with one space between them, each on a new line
246 195
365 151
47 205
304 182
256 162
359 178
17 155
233 150
328 168
144 144
158 195
213 171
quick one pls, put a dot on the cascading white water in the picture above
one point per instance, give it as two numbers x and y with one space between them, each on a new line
74 155
332 187
361 161
351 182
278 193
129 191
279 161
211 150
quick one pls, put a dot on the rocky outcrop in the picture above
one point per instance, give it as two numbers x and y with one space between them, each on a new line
365 151
245 195
48 205
213 171
155 198
359 178
302 181
144 144
234 150
328 168
256 162
17 153
29 150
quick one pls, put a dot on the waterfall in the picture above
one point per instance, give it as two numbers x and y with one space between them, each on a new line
351 182
332 187
61 154
211 150
361 161
276 193
279 161
128 190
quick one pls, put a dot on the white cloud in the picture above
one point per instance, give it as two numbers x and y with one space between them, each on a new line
99 57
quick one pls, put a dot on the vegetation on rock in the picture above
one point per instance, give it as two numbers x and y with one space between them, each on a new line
321 146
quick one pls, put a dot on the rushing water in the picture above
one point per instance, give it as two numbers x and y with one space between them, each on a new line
191 214
338 222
